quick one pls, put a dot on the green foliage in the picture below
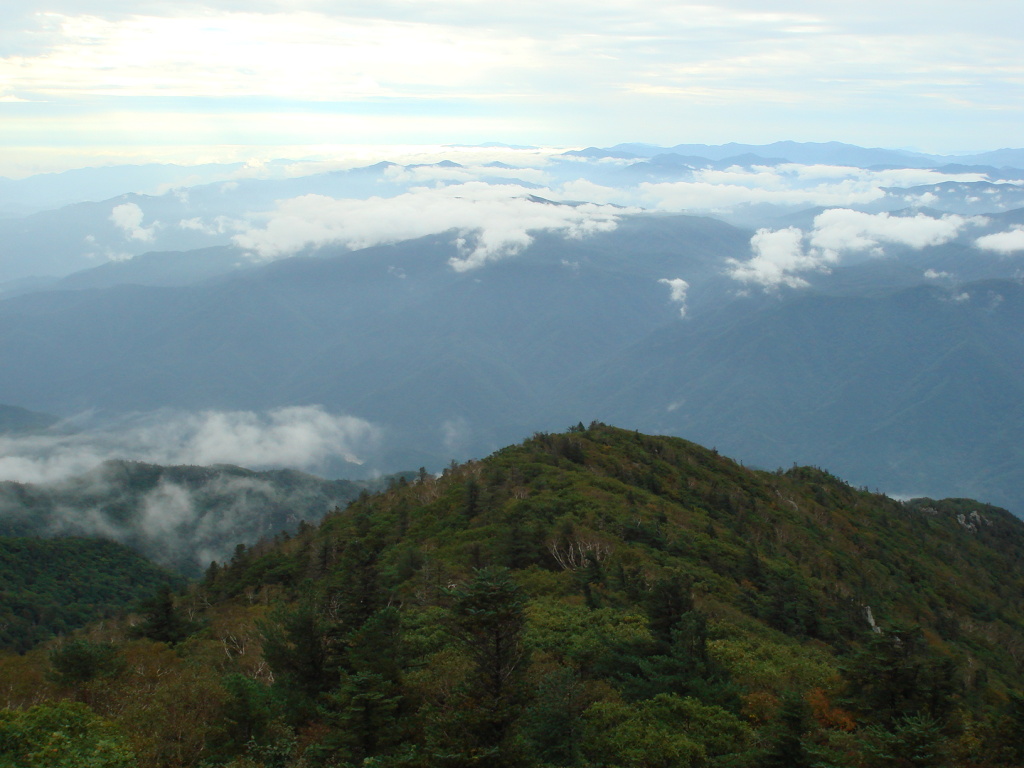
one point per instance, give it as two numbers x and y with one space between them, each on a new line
598 598
53 586
80 660
248 711
296 646
488 621
162 620
61 735
910 741
895 674
666 730
553 724
787 748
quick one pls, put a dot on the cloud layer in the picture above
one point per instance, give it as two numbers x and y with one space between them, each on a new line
220 72
305 437
492 221
788 184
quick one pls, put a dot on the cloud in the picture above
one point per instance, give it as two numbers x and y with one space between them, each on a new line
175 518
718 196
842 229
165 509
788 184
304 437
1011 241
778 256
678 288
493 221
571 68
128 218
293 55
457 172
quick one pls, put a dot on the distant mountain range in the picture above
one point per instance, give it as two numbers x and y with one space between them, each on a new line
882 341
825 153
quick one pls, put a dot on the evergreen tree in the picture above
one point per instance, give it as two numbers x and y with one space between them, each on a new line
489 619
161 620
787 748
896 674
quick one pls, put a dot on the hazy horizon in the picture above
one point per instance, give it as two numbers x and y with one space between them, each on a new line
216 80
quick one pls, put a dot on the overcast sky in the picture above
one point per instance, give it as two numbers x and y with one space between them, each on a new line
169 77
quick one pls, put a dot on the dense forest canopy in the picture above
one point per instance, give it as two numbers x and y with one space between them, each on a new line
598 597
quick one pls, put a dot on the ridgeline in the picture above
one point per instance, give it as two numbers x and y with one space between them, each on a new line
593 598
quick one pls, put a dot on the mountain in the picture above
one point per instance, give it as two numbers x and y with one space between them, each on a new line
593 597
907 390
54 586
812 153
387 333
15 420
179 516
898 370
50 190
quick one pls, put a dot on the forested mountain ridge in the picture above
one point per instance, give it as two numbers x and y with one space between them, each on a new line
594 598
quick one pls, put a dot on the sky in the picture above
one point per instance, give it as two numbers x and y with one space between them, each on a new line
111 80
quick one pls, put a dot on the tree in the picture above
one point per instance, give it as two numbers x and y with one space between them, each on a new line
911 741
78 661
370 701
488 621
161 620
296 646
247 710
675 660
787 749
553 723
896 674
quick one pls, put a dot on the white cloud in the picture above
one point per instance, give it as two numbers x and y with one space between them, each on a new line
1011 241
128 218
305 437
678 289
293 55
165 509
778 257
842 229
932 274
571 67
718 196
582 189
787 184
493 221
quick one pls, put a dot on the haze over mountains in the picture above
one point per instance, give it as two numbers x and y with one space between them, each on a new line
858 309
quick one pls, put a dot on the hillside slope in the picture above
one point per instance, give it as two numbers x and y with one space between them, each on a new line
53 586
594 598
